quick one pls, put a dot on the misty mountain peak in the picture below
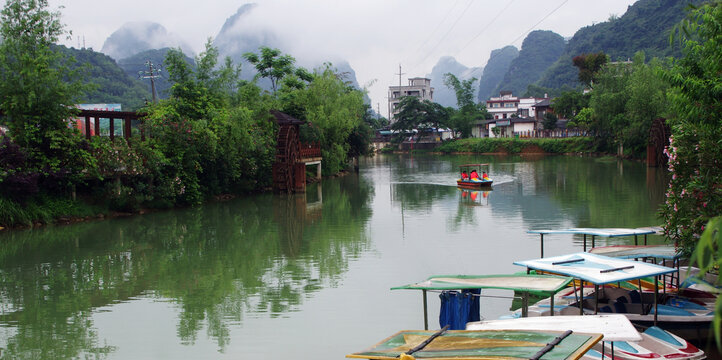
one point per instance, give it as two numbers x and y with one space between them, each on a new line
136 37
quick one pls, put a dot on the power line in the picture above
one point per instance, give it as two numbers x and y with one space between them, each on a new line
487 26
540 21
431 34
445 35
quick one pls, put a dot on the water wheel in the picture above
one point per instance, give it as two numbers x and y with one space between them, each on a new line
658 140
287 154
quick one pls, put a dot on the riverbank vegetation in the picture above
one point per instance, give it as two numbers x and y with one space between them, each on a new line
572 145
214 134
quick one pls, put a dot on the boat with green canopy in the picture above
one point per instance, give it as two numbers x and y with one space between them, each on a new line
484 344
523 284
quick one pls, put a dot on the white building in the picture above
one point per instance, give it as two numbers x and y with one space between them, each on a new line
513 115
419 87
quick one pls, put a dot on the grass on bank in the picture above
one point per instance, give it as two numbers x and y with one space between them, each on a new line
514 145
44 209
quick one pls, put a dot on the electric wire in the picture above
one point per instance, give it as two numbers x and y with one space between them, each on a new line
540 21
443 37
487 26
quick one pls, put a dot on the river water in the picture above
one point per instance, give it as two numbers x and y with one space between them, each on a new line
303 276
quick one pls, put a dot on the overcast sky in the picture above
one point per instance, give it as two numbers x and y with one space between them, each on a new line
374 36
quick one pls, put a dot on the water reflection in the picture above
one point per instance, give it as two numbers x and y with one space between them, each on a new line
219 263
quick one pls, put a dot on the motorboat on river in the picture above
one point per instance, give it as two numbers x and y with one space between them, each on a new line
479 181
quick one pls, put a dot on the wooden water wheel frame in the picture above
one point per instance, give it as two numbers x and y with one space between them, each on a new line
287 155
659 139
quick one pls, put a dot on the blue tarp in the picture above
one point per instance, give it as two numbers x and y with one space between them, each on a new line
458 308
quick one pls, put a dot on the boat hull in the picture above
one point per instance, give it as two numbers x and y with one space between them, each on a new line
470 184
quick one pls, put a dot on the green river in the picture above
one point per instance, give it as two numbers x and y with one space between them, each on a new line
303 276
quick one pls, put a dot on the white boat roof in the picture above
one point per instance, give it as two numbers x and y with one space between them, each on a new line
638 251
516 282
597 269
614 327
604 232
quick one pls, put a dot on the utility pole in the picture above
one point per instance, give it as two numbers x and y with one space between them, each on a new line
399 74
150 74
400 96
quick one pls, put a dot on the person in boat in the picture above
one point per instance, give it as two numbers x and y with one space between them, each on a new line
474 174
484 176
464 175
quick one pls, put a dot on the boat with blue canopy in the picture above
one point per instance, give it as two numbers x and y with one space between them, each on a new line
597 232
668 311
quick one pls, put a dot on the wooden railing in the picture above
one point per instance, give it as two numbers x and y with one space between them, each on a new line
310 150
88 122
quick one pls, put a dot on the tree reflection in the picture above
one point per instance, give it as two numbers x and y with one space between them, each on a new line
219 262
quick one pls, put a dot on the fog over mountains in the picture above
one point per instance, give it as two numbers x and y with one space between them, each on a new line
447 64
136 37
544 58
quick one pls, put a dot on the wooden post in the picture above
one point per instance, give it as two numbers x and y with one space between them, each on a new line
126 128
87 127
112 129
97 126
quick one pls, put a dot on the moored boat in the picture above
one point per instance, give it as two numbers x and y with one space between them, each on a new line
482 344
621 340
669 311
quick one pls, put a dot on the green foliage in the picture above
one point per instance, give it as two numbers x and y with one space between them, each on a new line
336 110
106 81
272 65
589 66
569 103
539 50
515 146
695 151
462 119
550 121
649 21
136 64
498 64
625 100
708 256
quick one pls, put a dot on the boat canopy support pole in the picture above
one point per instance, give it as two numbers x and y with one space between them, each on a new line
585 242
635 240
525 304
542 245
593 238
551 304
426 312
581 296
656 293
596 299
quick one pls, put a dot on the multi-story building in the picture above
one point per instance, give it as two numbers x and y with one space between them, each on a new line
419 87
513 114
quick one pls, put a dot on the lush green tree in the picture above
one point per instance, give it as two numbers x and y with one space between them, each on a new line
550 121
468 111
335 109
695 155
271 64
38 93
569 103
589 65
